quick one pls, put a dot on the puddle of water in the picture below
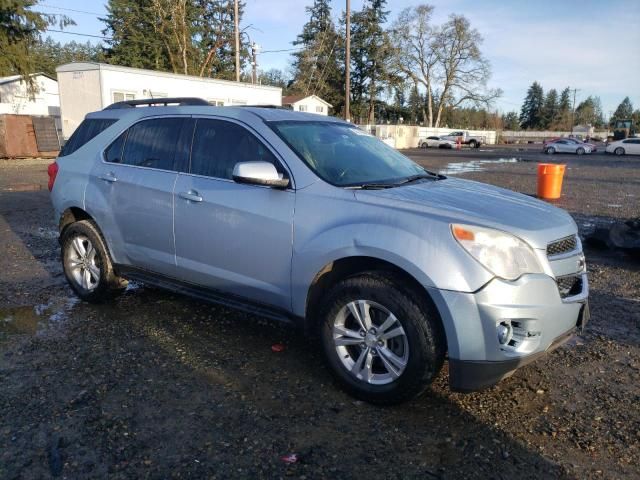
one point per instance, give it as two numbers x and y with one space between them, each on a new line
45 232
473 166
31 320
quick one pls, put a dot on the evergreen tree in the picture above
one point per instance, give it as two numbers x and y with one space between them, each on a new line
48 54
274 78
316 67
550 109
133 43
20 29
216 38
531 115
564 110
510 121
370 52
589 112
416 105
624 110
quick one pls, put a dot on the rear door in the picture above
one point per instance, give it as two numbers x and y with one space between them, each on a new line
233 237
134 185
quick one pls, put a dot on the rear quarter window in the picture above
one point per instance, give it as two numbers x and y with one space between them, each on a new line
85 132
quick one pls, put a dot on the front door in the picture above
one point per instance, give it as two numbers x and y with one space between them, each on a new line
232 237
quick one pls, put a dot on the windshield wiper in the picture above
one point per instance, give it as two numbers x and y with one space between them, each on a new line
419 176
373 186
404 181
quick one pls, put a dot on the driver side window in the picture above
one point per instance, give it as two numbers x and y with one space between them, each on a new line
218 145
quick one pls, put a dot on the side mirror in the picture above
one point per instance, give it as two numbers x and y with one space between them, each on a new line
259 173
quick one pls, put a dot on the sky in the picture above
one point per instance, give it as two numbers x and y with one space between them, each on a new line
589 45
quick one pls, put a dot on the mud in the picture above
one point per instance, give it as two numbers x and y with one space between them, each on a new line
156 385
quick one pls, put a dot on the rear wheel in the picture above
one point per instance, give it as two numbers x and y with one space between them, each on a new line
473 144
619 151
87 265
382 346
580 151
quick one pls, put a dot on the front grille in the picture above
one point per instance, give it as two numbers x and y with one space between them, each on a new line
563 245
569 286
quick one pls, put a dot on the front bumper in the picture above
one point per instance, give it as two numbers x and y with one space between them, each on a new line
532 308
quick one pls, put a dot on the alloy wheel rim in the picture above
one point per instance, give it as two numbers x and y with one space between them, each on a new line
83 263
370 342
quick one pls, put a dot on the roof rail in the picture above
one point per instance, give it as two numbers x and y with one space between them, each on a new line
180 101
278 107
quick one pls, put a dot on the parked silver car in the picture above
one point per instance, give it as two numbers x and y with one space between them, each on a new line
312 221
567 145
436 142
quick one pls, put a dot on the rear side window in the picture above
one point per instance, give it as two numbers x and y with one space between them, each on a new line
218 145
85 132
151 143
113 153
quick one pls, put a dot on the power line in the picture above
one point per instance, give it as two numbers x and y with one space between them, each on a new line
71 10
283 50
79 34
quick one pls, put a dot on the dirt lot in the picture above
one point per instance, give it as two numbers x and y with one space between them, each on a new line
161 386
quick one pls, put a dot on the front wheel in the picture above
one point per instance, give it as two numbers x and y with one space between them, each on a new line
87 265
619 151
382 346
550 150
580 151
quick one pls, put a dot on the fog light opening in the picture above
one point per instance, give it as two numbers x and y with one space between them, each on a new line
505 332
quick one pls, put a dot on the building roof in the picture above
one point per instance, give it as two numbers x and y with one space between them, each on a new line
86 66
291 99
15 78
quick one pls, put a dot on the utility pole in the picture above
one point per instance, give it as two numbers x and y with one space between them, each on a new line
254 61
237 33
347 74
573 109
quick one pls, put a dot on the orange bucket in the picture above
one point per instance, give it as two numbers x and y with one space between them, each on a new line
550 180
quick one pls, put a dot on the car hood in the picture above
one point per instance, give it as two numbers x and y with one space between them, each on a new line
465 201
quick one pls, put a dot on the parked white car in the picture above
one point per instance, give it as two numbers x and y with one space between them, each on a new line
436 142
628 146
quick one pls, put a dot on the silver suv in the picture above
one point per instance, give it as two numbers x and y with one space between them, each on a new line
312 221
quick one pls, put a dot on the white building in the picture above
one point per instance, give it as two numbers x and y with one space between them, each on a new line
310 104
87 87
15 97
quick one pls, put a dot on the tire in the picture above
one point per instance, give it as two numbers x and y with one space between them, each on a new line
473 144
619 151
550 151
580 151
418 346
424 145
87 264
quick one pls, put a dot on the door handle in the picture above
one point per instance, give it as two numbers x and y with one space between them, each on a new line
108 177
191 195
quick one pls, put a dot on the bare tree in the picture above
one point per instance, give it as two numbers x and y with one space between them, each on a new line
413 54
464 71
445 61
173 27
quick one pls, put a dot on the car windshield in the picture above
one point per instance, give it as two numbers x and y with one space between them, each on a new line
346 156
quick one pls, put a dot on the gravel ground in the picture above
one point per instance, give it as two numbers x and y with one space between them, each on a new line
158 385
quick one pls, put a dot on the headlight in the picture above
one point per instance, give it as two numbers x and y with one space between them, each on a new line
502 254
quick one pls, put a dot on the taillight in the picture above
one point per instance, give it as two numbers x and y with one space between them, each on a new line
52 170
